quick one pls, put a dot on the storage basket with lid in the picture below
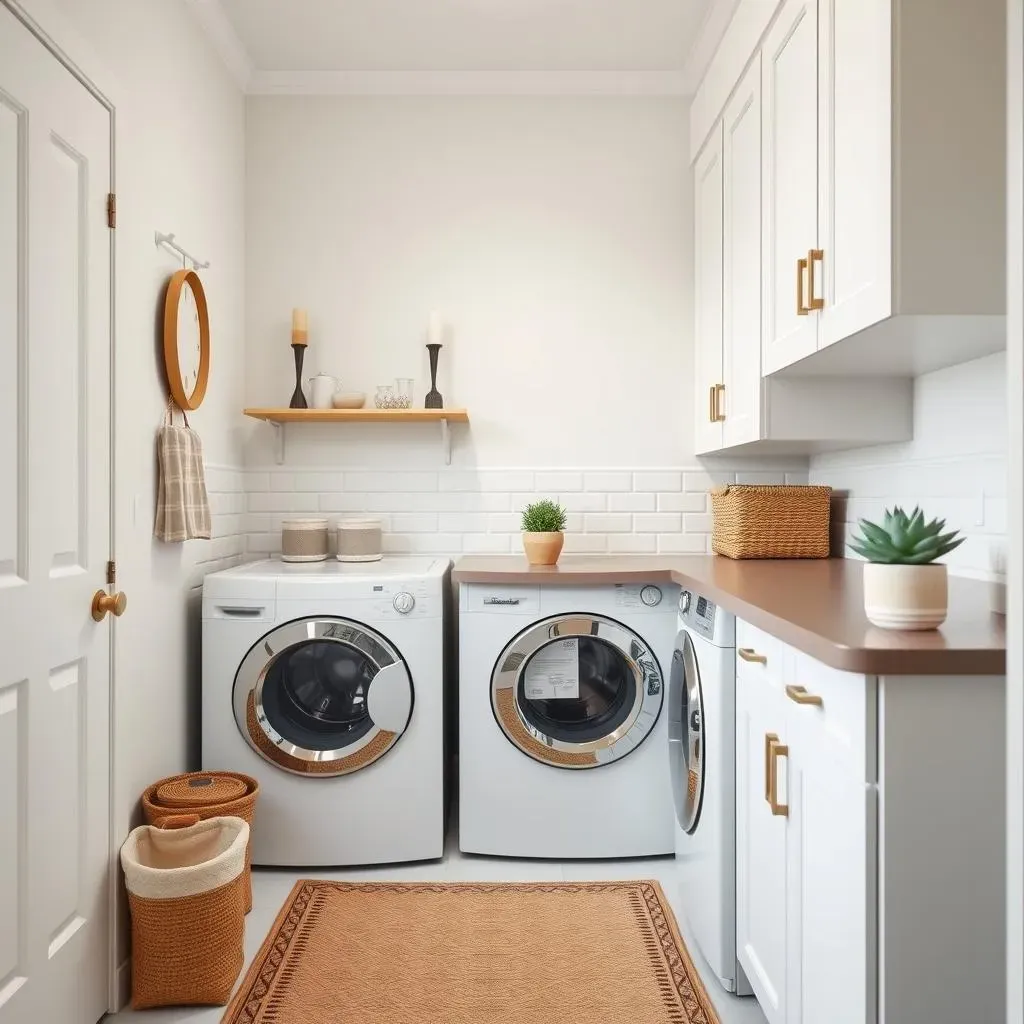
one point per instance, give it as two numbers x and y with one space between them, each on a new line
771 521
359 540
304 540
185 881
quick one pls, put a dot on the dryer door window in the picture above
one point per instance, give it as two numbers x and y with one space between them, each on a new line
577 691
686 734
322 696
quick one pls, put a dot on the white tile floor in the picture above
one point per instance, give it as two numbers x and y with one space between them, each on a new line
270 887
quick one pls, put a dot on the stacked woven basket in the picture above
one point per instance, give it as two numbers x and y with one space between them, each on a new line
757 521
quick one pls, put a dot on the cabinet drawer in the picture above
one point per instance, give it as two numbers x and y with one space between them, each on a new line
846 709
758 654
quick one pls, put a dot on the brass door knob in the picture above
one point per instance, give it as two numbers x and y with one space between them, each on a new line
102 602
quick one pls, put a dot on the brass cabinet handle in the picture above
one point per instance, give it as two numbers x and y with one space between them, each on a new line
712 392
773 751
801 269
719 390
799 695
749 654
102 602
812 256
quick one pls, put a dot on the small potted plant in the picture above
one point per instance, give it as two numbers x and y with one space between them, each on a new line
543 523
904 587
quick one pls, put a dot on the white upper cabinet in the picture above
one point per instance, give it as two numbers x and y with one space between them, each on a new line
789 209
740 400
708 309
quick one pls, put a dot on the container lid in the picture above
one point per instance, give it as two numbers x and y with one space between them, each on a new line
200 790
366 523
304 524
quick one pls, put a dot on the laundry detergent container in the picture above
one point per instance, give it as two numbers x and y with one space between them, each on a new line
208 795
186 895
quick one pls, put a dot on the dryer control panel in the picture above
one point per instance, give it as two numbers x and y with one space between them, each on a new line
698 613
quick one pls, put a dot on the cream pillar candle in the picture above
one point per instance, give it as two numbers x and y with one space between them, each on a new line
436 328
300 327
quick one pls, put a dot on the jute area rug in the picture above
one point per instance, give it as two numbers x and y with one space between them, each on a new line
540 953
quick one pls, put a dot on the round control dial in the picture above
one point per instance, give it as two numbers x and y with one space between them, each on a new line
684 601
651 596
404 603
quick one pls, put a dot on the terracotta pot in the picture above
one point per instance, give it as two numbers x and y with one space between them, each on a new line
542 548
906 596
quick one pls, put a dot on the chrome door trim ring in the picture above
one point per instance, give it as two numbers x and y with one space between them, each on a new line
260 658
516 654
694 704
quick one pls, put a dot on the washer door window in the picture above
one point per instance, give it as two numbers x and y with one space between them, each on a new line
577 691
322 696
686 734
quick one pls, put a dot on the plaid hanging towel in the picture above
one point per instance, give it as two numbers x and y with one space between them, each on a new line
182 505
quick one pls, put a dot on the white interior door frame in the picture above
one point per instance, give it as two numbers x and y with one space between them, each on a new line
1015 533
51 28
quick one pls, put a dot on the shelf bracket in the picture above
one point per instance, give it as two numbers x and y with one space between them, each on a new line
278 441
446 442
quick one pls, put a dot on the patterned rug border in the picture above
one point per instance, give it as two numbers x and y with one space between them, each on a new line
269 960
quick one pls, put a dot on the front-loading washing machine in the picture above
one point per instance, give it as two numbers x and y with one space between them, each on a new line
561 732
702 766
325 681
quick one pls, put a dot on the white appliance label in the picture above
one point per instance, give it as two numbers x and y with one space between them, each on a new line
627 597
554 672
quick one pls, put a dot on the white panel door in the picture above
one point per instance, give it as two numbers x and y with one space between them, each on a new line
54 538
789 58
741 322
830 889
855 162
761 838
707 340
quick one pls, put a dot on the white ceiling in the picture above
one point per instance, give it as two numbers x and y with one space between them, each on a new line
430 36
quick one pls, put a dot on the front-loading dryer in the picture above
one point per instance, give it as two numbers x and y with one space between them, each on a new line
702 767
561 731
325 681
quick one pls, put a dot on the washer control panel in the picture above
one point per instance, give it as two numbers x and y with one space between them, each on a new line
404 602
698 613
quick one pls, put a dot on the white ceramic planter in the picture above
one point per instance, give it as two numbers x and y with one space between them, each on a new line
906 596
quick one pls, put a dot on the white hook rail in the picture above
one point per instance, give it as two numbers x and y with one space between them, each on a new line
168 242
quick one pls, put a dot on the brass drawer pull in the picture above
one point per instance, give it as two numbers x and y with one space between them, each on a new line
719 390
801 269
773 751
799 695
711 404
812 256
749 654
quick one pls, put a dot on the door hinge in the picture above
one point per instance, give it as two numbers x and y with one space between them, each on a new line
111 574
111 210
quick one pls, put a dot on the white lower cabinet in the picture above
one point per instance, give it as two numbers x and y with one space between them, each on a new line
805 840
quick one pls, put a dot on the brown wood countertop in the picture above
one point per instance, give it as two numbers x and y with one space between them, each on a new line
816 605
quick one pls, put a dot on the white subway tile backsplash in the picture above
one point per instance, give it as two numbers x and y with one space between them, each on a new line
487 543
503 522
682 544
662 480
637 502
704 480
587 502
555 481
697 523
608 480
398 480
414 522
273 501
344 501
683 501
632 544
462 522
585 543
320 482
608 522
283 482
658 522
761 477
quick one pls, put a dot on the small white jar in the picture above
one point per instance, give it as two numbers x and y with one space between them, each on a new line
304 540
359 540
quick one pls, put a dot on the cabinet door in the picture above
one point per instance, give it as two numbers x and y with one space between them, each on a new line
707 341
760 846
830 889
741 347
789 59
855 163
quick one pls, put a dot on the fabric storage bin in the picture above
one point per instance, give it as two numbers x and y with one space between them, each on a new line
359 540
209 795
304 540
186 897
765 521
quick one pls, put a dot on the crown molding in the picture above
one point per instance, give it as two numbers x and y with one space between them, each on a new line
709 36
466 83
235 57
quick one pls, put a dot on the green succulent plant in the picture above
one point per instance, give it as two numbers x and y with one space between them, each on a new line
904 540
544 516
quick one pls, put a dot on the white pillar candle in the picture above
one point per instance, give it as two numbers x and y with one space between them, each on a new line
300 327
436 328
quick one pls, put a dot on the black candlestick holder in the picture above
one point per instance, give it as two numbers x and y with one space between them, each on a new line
434 399
298 398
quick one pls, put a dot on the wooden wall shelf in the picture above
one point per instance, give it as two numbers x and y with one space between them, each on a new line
279 418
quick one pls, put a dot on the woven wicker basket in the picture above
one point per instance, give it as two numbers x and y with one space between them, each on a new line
210 795
754 521
186 896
